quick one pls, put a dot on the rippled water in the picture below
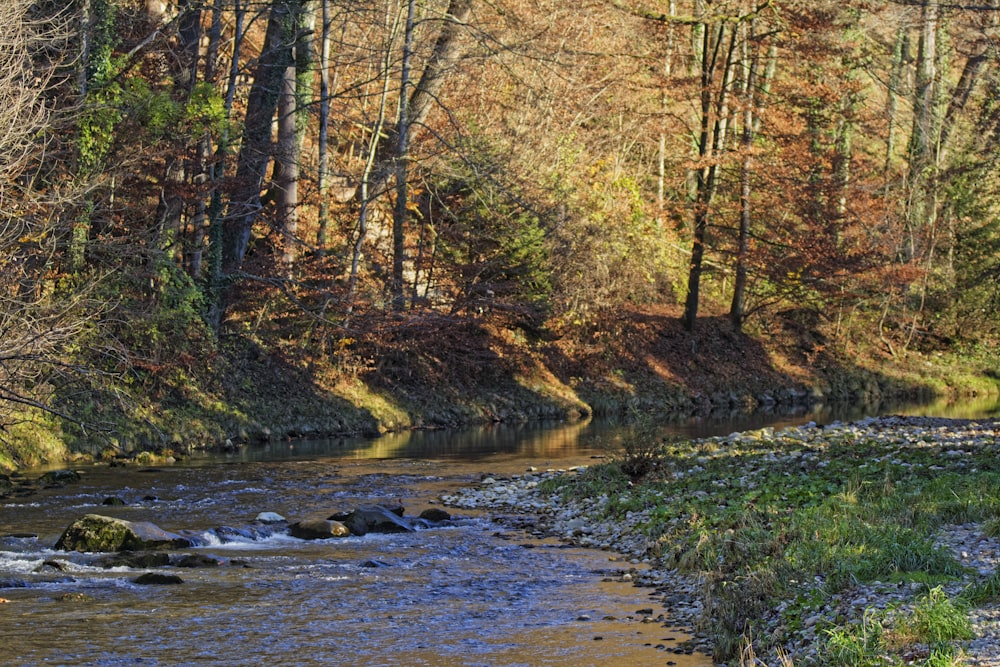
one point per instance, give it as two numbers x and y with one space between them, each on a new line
469 594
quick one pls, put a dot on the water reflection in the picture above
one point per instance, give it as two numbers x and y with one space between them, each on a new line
557 440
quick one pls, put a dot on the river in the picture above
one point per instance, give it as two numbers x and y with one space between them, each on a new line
472 593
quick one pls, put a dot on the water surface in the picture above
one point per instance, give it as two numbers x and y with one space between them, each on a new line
469 594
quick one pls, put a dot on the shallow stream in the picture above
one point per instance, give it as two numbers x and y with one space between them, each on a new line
472 593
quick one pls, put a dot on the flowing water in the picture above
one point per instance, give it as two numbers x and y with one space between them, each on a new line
471 593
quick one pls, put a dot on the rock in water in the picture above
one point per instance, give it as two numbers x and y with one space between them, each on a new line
133 560
157 579
435 514
373 519
59 478
199 560
96 533
318 529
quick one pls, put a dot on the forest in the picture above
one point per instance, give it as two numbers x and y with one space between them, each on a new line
239 219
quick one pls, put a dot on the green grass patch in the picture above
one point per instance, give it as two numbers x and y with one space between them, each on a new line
983 592
937 619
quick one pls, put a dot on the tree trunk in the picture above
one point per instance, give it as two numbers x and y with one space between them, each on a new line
668 66
217 171
368 183
737 311
923 138
711 142
402 150
442 58
413 112
286 168
255 151
189 34
322 178
200 219
899 54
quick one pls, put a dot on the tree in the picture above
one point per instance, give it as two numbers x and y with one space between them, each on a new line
413 112
245 204
717 59
39 324
751 64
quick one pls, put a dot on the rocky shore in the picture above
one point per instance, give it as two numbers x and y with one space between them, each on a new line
952 445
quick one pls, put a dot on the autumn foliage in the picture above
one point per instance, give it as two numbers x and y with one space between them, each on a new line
531 167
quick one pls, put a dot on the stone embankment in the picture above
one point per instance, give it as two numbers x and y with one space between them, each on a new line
578 520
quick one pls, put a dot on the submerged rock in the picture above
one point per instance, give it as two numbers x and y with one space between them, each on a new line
157 579
96 533
135 560
270 517
59 478
318 529
198 560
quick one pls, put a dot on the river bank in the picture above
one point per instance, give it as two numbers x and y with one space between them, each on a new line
807 543
434 372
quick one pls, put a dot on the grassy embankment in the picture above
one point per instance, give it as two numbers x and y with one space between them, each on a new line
793 520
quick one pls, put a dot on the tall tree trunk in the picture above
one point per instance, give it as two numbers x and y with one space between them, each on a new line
86 44
737 311
899 55
80 229
255 151
202 179
413 113
402 153
217 171
286 168
323 177
189 34
367 182
923 138
442 58
711 142
668 67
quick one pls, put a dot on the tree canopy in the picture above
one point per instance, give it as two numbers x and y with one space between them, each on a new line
303 173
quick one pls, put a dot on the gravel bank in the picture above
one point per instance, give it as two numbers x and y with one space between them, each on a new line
518 500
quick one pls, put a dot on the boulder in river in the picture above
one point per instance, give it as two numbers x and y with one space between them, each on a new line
58 478
318 529
373 519
198 560
435 514
96 533
134 560
157 579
